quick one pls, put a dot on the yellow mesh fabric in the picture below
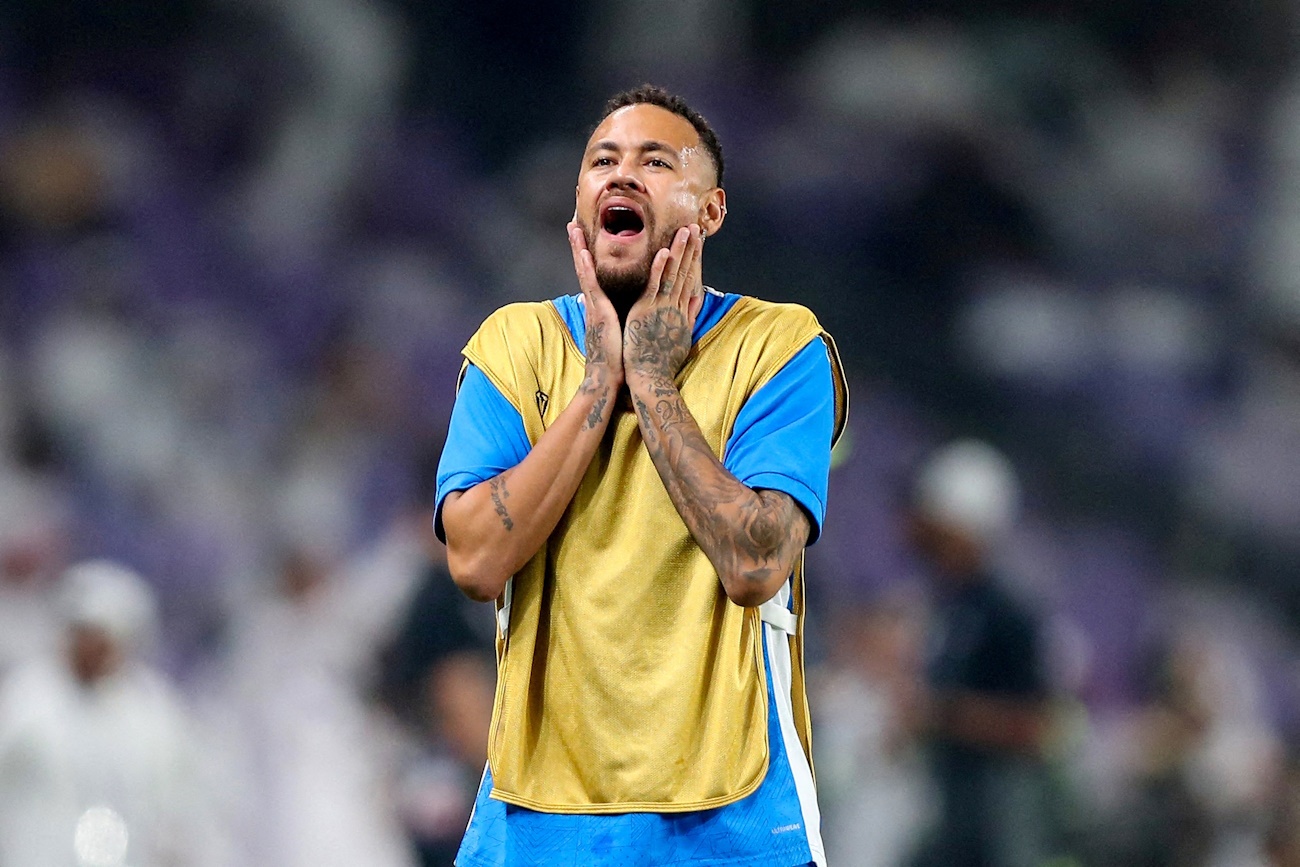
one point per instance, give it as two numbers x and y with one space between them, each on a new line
627 681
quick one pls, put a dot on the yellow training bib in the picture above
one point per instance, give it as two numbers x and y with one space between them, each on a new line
627 680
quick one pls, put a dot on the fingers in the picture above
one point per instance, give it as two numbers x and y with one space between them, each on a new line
686 287
694 305
673 268
672 271
657 268
672 283
583 264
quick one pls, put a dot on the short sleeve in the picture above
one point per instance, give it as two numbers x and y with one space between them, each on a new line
782 436
486 437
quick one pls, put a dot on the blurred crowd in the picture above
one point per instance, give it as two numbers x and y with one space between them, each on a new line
1053 610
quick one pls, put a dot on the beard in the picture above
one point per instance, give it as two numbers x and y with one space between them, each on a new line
626 283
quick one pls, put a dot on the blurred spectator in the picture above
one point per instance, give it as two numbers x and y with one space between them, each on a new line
314 758
352 58
871 781
33 543
989 718
1203 761
98 765
1282 842
1073 229
439 669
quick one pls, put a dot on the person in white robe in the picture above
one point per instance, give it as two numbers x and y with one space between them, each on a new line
97 763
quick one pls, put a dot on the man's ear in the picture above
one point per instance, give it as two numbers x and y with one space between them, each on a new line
713 211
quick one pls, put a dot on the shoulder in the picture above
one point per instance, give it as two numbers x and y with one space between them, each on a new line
34 690
768 330
155 695
756 313
522 316
522 328
775 333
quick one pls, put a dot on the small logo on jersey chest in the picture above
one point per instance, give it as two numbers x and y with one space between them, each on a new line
542 402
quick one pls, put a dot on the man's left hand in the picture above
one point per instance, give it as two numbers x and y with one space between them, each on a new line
657 334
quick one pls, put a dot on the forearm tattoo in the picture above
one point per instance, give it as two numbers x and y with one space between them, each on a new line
596 382
597 413
595 385
499 493
755 535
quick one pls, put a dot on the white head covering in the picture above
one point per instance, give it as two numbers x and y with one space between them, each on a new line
969 486
112 597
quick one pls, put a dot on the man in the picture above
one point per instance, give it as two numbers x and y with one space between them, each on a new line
309 749
989 714
638 509
98 759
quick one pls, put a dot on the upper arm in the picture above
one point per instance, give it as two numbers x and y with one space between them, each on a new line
486 437
781 440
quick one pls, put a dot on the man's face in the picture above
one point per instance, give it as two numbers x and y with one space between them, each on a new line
93 653
955 555
644 175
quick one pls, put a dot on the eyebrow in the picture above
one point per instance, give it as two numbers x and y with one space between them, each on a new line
646 147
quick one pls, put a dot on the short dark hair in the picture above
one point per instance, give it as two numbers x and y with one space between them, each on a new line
649 94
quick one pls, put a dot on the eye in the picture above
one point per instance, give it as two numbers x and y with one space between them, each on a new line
602 161
660 163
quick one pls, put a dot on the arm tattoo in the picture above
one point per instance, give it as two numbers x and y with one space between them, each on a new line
755 535
597 412
596 382
499 494
770 533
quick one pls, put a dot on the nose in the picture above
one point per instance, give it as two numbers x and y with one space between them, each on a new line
624 177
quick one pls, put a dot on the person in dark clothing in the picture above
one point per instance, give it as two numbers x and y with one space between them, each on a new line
988 720
438 676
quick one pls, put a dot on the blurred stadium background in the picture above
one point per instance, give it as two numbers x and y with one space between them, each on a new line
242 244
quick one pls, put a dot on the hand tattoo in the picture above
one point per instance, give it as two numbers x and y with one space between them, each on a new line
657 344
596 352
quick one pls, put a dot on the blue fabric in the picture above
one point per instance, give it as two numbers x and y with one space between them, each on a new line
574 314
486 437
782 435
769 445
763 830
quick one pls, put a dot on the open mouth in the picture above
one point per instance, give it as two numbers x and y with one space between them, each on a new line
621 221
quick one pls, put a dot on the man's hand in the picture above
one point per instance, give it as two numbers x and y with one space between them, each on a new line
498 525
752 538
657 336
604 344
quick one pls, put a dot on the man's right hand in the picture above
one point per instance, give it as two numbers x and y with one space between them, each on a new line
604 344
498 525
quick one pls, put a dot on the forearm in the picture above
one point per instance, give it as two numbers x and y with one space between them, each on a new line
495 527
751 537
